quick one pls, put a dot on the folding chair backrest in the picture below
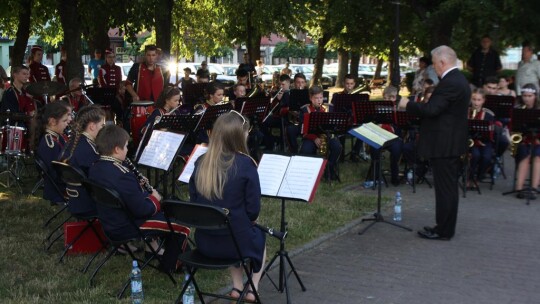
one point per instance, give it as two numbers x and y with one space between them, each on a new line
69 174
196 215
104 196
46 175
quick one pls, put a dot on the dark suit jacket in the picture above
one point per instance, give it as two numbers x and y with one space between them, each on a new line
443 130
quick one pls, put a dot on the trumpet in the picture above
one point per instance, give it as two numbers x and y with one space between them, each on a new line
145 183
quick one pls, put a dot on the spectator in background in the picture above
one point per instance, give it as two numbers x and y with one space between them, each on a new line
491 85
504 90
186 80
94 65
420 75
260 68
60 68
286 70
247 65
3 74
484 62
528 68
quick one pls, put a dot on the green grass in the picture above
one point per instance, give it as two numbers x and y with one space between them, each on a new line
28 274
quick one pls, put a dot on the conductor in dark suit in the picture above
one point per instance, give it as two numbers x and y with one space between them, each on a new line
443 138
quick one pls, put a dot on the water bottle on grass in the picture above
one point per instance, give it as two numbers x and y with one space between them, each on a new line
137 295
397 207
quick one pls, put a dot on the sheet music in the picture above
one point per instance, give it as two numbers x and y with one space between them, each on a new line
271 169
190 165
301 177
374 133
161 149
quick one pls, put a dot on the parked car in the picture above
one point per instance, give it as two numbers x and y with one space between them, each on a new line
307 70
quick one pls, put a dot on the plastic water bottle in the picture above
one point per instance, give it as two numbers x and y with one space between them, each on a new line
189 294
397 208
409 177
137 295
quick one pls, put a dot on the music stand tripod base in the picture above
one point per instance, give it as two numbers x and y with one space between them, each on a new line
12 173
284 258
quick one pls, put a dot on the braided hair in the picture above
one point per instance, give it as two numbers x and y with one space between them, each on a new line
87 115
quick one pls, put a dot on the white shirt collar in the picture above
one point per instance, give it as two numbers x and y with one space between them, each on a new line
448 71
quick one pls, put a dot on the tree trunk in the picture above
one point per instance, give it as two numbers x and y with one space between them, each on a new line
23 33
163 17
378 69
355 61
70 20
343 67
99 34
319 59
255 51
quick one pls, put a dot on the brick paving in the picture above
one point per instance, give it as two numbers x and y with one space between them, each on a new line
493 258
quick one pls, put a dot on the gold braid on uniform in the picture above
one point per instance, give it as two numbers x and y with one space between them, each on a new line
116 162
75 142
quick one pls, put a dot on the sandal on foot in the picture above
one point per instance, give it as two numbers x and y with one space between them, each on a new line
250 292
238 291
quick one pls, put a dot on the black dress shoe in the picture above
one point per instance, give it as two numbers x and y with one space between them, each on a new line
432 236
429 229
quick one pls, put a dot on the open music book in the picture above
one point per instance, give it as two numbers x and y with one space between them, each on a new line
161 149
373 135
295 177
190 165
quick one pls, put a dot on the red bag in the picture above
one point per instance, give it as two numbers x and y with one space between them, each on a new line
88 242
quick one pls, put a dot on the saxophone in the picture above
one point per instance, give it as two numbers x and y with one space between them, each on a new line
324 137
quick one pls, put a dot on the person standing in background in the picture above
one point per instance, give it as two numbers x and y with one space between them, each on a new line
484 62
94 65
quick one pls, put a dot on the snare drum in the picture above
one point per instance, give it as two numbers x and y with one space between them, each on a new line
140 110
13 140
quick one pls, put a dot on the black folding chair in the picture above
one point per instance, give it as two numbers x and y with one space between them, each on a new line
74 177
110 198
45 175
208 218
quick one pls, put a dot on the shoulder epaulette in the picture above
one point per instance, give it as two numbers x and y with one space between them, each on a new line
121 167
49 140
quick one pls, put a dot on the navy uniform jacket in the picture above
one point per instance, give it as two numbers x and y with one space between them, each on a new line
110 172
443 129
83 157
49 149
242 197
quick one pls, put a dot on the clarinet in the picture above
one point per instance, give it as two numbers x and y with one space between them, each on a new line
141 178
277 234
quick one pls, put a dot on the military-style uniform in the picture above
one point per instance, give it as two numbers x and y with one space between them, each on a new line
76 102
145 208
278 120
82 157
17 101
148 84
38 72
109 76
482 150
49 149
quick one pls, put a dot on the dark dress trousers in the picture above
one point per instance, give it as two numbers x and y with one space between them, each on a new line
443 139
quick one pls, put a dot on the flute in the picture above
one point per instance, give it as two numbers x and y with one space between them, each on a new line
275 233
141 178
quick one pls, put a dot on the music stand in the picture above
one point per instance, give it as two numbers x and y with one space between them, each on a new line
193 93
376 112
254 108
102 96
407 121
501 106
211 114
343 102
298 98
527 122
478 130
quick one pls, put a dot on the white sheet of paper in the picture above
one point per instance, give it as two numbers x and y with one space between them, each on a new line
190 165
300 177
161 149
271 170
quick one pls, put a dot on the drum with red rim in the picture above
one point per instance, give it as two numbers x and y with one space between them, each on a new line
140 110
13 140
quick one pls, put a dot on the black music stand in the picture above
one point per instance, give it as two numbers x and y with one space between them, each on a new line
327 123
527 122
478 130
376 112
211 114
343 102
407 121
193 94
254 108
298 98
102 96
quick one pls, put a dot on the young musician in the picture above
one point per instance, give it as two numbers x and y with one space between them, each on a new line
38 72
227 177
312 142
391 93
529 99
300 82
109 75
15 98
75 98
238 91
145 206
81 153
215 92
48 138
358 148
146 80
280 105
482 150
166 104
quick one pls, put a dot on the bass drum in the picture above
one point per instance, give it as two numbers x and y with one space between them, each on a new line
140 110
